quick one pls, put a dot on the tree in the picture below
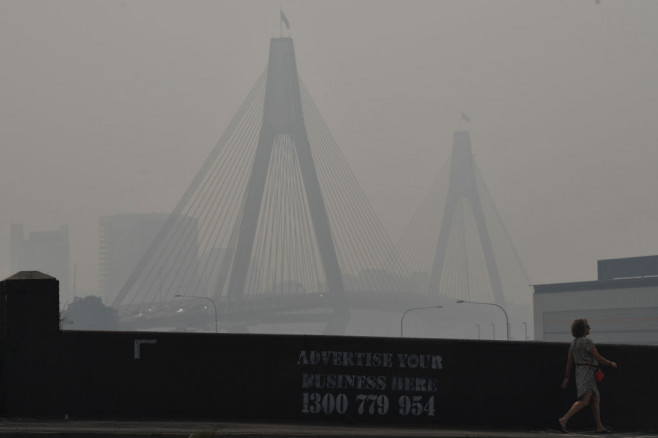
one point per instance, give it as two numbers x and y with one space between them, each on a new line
89 313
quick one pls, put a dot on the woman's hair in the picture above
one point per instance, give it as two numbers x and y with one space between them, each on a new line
578 327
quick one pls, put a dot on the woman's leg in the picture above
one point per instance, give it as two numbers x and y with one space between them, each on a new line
575 408
596 410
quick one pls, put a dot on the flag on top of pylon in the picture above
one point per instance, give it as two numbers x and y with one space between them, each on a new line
285 20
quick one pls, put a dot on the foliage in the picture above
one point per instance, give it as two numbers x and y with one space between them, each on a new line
89 313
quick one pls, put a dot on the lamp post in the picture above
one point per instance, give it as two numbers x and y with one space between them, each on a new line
409 310
491 304
202 298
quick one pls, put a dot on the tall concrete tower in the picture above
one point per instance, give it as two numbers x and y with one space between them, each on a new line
283 118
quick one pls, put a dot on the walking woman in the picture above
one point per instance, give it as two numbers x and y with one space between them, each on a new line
583 354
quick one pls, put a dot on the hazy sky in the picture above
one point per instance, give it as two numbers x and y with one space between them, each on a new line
110 107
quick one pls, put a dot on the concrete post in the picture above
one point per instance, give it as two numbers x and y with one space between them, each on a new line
29 331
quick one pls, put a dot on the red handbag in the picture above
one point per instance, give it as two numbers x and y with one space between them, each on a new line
598 375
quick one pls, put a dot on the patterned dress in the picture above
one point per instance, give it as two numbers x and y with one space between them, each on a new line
585 364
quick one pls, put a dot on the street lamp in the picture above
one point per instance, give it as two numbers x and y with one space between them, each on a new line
202 298
490 304
409 310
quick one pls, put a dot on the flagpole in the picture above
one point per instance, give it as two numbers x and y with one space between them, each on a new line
283 19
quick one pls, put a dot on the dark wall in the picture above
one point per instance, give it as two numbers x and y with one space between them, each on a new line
274 377
230 376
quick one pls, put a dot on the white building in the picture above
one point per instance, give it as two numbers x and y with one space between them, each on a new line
621 306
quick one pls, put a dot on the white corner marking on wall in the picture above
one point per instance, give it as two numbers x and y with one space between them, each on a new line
138 345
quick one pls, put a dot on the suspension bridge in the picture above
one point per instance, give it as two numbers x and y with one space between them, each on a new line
275 229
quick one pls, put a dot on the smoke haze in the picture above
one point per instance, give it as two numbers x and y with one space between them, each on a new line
111 107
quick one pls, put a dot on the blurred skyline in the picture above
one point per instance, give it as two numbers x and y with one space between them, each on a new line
111 107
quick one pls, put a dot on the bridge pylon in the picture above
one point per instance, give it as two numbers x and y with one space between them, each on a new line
456 245
274 221
463 193
283 119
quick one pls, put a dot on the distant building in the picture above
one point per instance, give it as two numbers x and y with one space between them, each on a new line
621 306
124 239
45 251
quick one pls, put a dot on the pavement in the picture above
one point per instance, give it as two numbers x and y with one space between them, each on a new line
28 428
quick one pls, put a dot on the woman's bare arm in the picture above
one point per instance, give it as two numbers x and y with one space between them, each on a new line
567 371
600 359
